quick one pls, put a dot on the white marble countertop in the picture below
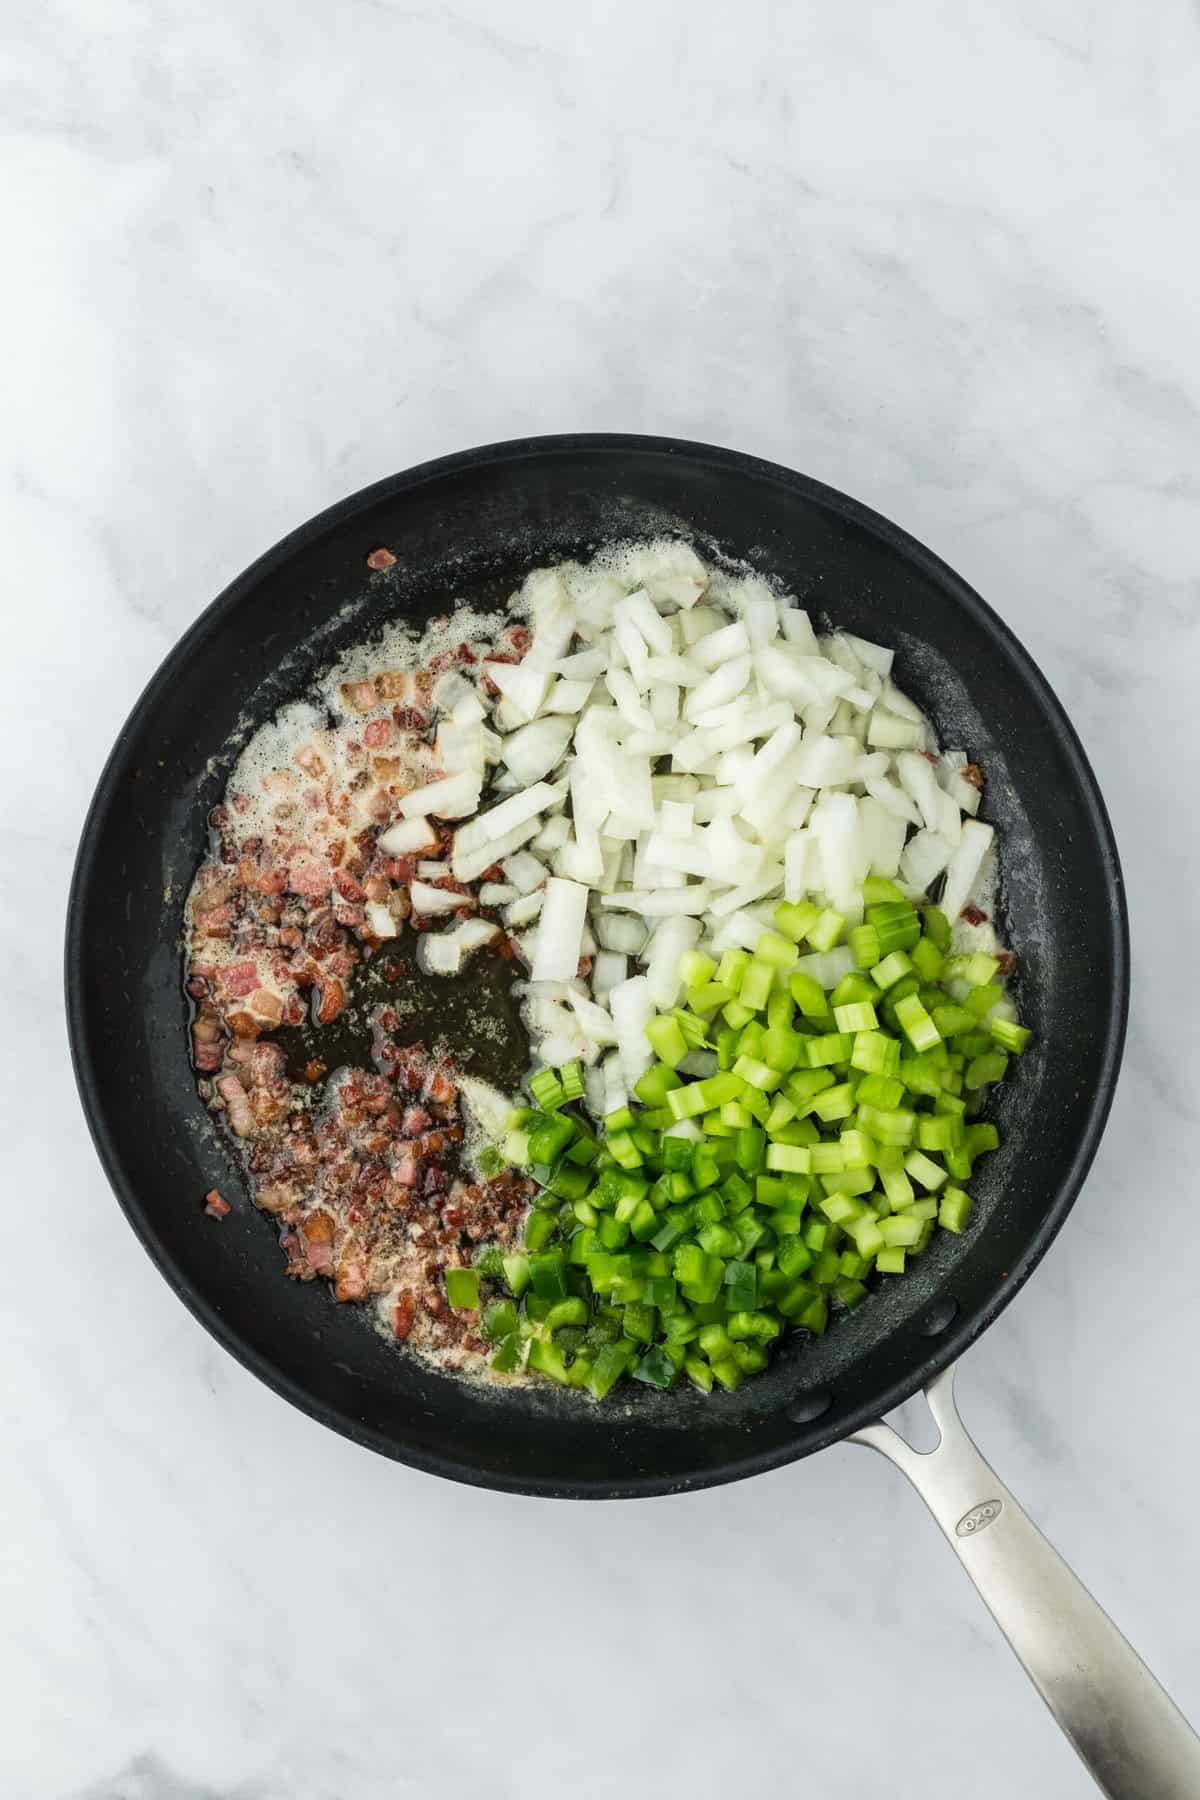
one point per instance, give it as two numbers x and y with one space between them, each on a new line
942 256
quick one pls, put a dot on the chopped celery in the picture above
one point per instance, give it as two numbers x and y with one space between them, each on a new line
718 1210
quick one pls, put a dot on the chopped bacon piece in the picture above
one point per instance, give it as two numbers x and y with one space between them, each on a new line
241 979
351 1283
377 734
381 559
311 878
441 1088
403 1313
216 1205
974 775
333 998
266 1006
346 885
973 914
361 695
308 759
409 718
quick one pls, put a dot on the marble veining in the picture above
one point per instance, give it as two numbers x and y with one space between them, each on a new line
942 256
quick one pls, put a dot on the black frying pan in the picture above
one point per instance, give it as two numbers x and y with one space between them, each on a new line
471 525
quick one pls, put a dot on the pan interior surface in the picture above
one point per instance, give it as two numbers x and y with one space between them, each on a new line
470 527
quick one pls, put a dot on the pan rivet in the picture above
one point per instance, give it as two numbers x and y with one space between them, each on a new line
937 1317
810 1406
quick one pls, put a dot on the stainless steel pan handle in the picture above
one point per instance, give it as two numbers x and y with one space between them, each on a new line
1129 1732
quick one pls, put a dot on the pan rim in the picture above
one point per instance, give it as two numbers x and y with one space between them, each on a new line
946 1348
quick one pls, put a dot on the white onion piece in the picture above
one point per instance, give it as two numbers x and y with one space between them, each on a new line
524 871
965 865
460 747
715 803
797 628
721 646
596 1024
616 932
621 686
827 762
653 630
723 685
760 616
668 944
632 1006
584 665
731 857
692 752
495 824
899 703
469 865
837 648
568 696
535 749
664 710
883 836
580 859
796 880
452 690
843 864
740 931
661 905
608 969
965 794
443 952
468 709
553 835
885 731
523 687
893 798
452 798
407 837
698 623
676 669
523 911
828 966
497 893
919 781
874 656
616 1093
379 919
949 818
676 818
766 882
427 900
924 857
688 855
560 930
801 679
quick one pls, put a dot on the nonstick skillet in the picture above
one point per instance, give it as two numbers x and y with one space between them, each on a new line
470 526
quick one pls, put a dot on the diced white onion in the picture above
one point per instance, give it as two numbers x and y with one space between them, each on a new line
632 1006
560 930
406 837
965 865
426 899
452 798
